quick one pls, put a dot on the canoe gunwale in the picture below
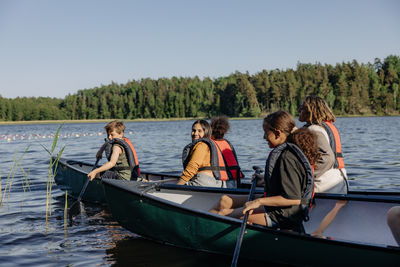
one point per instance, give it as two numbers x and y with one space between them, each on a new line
359 196
237 222
70 164
378 196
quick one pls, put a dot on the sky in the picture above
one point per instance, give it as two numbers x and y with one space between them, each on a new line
53 48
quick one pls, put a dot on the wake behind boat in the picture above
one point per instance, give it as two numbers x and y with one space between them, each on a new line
179 216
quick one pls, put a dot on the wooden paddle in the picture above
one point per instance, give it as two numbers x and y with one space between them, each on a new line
76 206
239 241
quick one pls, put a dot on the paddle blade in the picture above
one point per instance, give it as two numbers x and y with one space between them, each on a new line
75 209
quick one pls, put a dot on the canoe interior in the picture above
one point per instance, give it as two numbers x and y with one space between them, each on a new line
359 221
177 215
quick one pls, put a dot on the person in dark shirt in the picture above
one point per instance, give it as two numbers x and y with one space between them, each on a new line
284 186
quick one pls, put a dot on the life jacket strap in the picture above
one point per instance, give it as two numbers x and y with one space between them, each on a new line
210 168
123 168
339 155
234 168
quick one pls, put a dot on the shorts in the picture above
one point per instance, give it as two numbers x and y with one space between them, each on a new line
269 222
205 180
109 175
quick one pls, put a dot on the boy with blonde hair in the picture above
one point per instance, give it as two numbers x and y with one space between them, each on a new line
122 159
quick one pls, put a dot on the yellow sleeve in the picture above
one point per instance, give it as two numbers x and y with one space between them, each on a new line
199 157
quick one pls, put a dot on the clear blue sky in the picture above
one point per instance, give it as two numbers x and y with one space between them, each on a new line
54 48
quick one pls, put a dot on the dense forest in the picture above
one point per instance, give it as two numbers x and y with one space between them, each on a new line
349 88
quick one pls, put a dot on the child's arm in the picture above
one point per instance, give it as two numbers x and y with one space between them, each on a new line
116 151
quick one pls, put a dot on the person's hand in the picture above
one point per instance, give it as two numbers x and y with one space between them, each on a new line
92 175
260 179
340 204
251 206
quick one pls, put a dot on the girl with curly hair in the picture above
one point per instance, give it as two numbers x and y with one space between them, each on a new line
220 126
330 174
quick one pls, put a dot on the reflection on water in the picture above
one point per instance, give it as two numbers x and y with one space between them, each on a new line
123 254
370 145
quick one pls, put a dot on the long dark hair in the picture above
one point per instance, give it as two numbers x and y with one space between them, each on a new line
206 127
303 138
280 120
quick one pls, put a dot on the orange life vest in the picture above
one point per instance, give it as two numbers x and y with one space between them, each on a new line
135 158
336 145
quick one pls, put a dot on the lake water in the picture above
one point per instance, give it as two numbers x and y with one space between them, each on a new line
371 149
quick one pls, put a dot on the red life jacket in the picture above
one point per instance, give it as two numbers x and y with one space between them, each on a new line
130 153
217 161
336 145
230 158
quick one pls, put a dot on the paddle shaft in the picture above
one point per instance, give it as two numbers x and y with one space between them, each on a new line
244 223
74 205
87 181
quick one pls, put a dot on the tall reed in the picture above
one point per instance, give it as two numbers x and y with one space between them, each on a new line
52 171
11 175
25 183
66 211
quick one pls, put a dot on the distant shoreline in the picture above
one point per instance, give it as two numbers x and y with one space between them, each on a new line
108 120
146 120
83 121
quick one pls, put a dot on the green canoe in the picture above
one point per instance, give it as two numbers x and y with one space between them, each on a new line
71 175
177 215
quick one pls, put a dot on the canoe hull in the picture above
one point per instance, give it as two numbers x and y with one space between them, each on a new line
71 177
167 222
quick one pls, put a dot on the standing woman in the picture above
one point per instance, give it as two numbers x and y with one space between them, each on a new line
330 174
232 174
197 159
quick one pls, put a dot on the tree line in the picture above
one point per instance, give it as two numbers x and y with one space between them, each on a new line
349 88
